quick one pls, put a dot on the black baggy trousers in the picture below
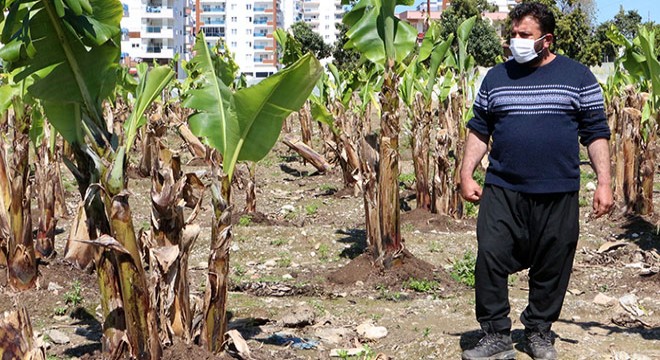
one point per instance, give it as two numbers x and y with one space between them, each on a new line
517 231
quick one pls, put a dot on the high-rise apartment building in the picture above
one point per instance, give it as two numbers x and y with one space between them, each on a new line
322 16
158 29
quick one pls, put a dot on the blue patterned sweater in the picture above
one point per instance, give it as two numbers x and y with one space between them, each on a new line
535 117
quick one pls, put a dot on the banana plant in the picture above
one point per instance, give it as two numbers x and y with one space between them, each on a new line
417 92
639 59
70 51
385 41
242 125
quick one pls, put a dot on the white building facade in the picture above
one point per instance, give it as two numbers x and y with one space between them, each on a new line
159 29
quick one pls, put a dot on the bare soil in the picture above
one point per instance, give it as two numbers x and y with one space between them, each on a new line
306 249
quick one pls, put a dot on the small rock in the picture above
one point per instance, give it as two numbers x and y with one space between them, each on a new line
333 335
371 332
270 263
235 248
575 292
576 318
359 283
634 235
52 286
287 277
61 318
287 209
57 337
299 317
604 300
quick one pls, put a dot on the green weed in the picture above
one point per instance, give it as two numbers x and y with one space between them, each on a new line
423 286
245 220
278 242
463 270
311 209
324 251
74 296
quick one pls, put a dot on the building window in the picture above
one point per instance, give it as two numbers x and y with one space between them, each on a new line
234 31
248 31
234 44
234 19
248 7
233 6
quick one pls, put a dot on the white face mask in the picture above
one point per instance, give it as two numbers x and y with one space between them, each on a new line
523 49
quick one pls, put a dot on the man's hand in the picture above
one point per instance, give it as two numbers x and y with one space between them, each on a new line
603 200
470 190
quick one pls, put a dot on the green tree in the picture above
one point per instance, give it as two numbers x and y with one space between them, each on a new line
627 22
345 59
310 40
573 38
484 43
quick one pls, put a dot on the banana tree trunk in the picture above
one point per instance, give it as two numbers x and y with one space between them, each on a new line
450 140
421 130
214 323
368 171
169 246
21 259
307 153
305 117
141 325
390 245
631 145
17 338
45 181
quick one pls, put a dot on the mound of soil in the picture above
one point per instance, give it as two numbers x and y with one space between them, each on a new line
404 268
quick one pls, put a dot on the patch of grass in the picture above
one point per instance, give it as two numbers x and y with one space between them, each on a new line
463 270
406 180
386 294
471 209
278 242
328 188
435 246
583 201
324 252
512 279
587 176
422 286
319 309
311 209
426 332
284 260
74 296
239 270
60 310
480 177
245 220
366 354
408 227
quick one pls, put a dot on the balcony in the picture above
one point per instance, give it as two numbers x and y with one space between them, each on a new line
213 9
213 22
158 52
157 32
158 12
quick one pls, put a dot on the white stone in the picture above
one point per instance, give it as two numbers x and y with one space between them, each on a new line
604 300
590 186
371 332
57 337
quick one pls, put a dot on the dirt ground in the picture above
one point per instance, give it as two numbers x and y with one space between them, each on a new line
292 296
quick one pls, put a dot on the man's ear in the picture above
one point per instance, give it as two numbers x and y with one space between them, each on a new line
549 39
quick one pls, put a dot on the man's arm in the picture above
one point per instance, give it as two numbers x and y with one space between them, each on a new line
476 146
599 154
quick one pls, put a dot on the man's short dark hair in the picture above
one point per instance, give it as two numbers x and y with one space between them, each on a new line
540 12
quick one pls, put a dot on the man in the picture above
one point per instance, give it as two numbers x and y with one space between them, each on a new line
534 108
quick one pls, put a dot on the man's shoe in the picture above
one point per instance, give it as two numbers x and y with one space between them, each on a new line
539 344
493 346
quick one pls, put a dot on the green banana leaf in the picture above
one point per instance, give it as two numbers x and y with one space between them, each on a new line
70 75
377 33
246 124
291 49
465 61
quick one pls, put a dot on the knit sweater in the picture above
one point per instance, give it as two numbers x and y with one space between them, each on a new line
535 117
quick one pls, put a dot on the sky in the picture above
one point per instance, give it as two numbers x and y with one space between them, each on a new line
606 9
